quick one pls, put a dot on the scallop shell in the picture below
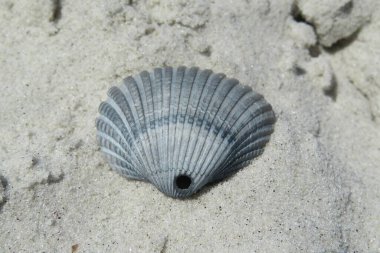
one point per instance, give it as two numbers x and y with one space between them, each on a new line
182 128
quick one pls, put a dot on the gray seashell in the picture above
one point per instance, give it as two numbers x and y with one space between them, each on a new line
182 128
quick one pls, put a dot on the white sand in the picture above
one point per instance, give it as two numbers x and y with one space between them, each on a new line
315 188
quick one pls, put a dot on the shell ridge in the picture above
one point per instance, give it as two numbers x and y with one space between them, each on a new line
141 99
170 129
116 96
202 81
206 99
144 78
205 126
132 97
228 115
162 127
263 125
186 87
119 121
106 127
167 79
121 117
175 119
225 89
114 151
126 173
103 124
158 95
137 141
172 115
152 131
110 143
175 93
137 107
180 73
247 139
107 110
247 157
227 106
238 165
263 131
245 100
113 157
231 123
156 82
248 118
117 164
264 117
167 73
186 127
258 144
148 141
149 84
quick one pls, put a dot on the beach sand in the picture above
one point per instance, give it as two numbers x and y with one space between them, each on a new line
315 188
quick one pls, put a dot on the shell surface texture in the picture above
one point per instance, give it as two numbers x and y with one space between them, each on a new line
182 128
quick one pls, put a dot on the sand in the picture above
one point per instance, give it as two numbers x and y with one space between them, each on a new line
316 187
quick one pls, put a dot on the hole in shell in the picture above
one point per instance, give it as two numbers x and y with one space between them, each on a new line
183 182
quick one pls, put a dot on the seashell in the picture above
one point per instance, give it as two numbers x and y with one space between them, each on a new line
182 128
